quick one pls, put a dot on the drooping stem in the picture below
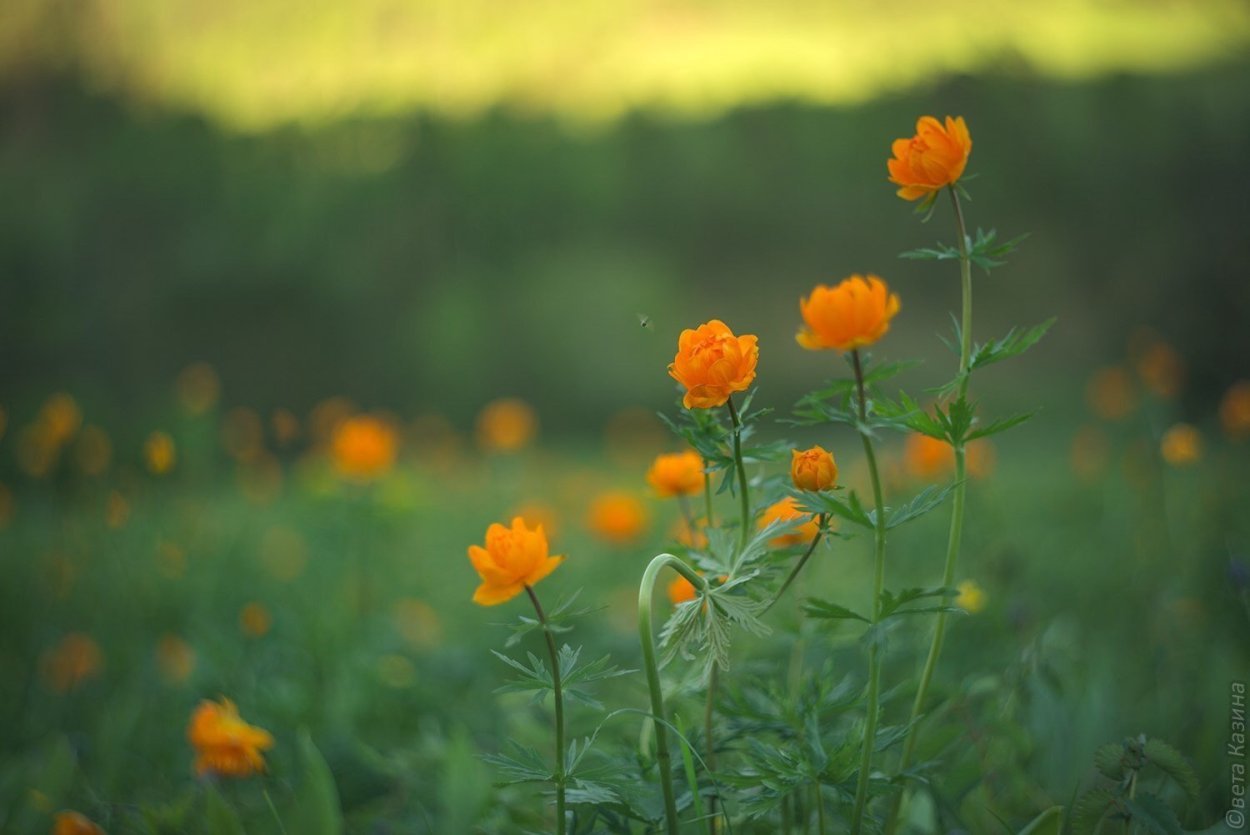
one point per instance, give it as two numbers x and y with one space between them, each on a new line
798 566
878 584
645 592
742 471
709 756
957 509
559 694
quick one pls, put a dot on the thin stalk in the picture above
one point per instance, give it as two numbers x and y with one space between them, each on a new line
820 810
645 593
559 694
957 509
798 566
878 584
687 516
273 809
709 715
707 498
742 470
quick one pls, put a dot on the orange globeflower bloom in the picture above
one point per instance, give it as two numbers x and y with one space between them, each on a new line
932 159
813 469
617 517
72 823
224 743
1235 410
712 364
854 314
159 453
364 447
681 591
1181 445
785 510
506 425
677 474
513 558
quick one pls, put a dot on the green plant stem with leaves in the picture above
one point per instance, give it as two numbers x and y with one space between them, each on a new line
957 506
878 585
558 691
742 470
646 591
822 519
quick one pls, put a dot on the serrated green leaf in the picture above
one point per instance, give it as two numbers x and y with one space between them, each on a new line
815 608
1090 809
1109 760
1049 822
1014 343
1171 762
1153 814
924 501
1000 425
316 808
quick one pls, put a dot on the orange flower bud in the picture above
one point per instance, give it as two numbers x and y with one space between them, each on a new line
785 510
224 744
813 469
72 823
677 474
851 315
513 558
712 364
364 447
932 159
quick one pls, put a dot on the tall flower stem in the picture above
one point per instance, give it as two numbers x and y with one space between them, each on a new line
798 566
559 694
707 498
742 470
957 508
878 584
646 591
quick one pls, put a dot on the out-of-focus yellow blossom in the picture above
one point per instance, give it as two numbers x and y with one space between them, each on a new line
617 517
73 823
506 425
971 597
285 426
94 451
785 510
225 744
1111 394
1181 445
417 622
255 620
59 418
396 671
175 659
73 661
677 474
116 510
36 454
159 453
325 418
929 458
1235 410
365 447
538 514
1161 369
198 388
681 590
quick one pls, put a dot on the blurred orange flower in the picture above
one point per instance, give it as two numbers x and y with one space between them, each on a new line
929 458
93 451
1235 410
175 659
677 474
513 558
76 659
159 453
1181 445
538 514
1090 453
617 517
712 363
1161 369
255 620
854 314
680 590
417 622
243 434
116 510
1110 393
364 447
225 744
6 506
971 597
198 388
285 426
59 418
784 511
932 159
813 469
506 425
73 823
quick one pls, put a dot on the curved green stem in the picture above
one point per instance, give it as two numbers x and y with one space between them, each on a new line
957 510
878 585
646 591
742 470
559 694
798 566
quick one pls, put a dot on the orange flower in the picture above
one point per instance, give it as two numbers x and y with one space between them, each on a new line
785 510
225 744
1111 394
364 447
159 453
1161 369
851 315
72 823
680 591
813 469
198 388
513 558
255 620
712 364
175 659
1181 445
932 159
928 458
1235 410
617 517
73 661
506 425
677 474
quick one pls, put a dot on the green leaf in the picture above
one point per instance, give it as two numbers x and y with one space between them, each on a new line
1171 762
1090 809
1000 425
827 502
1014 343
816 608
219 818
317 810
1049 822
891 604
1154 814
524 765
1109 760
941 252
924 501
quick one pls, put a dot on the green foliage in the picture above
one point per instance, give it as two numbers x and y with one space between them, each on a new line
316 802
1117 792
985 251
